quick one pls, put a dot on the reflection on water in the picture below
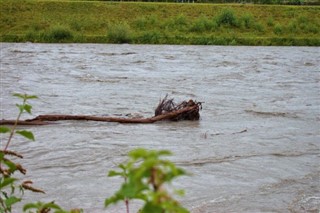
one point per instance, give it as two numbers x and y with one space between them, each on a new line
255 149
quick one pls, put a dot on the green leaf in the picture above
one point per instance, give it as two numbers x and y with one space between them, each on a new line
12 200
20 96
4 129
12 166
31 206
164 152
123 167
27 108
25 96
51 205
113 200
1 155
20 107
6 182
27 134
24 107
179 192
138 153
31 97
114 173
41 206
150 207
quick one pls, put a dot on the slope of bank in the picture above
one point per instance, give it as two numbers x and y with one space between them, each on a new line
158 23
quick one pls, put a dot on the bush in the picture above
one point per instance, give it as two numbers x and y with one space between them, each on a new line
119 33
32 36
227 17
178 22
59 34
53 34
259 27
203 24
150 37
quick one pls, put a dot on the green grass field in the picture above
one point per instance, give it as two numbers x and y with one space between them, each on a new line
158 23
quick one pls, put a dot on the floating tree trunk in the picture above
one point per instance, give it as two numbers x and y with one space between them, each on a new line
166 110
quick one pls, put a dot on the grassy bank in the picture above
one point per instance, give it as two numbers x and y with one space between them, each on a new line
158 23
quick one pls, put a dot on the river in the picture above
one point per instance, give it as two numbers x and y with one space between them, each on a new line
256 147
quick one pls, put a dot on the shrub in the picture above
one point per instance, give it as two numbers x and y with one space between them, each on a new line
178 22
58 34
150 37
32 36
259 27
203 24
119 33
227 17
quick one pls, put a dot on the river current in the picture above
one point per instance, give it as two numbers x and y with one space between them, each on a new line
256 147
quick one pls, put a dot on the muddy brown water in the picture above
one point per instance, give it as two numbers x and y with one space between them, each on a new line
255 149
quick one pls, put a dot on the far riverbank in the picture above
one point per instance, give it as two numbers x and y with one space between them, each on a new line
63 21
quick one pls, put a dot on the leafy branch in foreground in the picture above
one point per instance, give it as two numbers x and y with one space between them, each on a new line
145 175
24 107
8 183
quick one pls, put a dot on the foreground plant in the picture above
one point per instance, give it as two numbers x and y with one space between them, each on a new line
9 184
145 175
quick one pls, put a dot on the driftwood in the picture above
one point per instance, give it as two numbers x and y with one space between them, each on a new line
167 105
166 110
